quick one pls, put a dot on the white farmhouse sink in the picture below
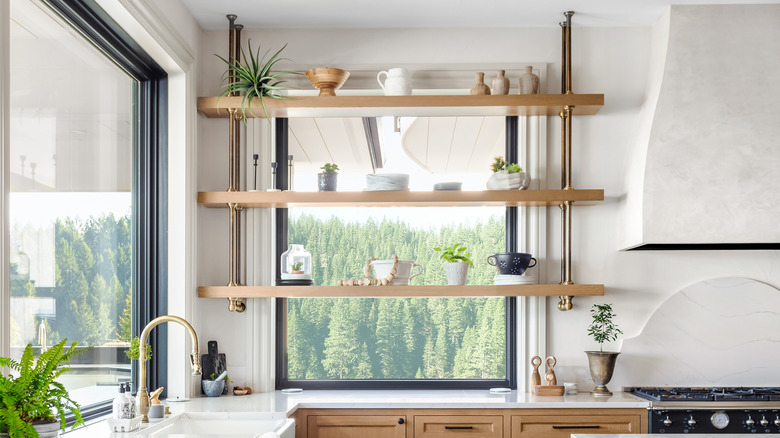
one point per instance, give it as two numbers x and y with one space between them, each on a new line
227 424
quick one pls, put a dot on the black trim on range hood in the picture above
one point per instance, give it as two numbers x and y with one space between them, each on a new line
705 247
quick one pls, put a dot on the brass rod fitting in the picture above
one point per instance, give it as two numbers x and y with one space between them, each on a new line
567 31
233 240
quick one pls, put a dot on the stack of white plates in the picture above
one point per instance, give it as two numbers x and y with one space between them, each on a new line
512 279
387 181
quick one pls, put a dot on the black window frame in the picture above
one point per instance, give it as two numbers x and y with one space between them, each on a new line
149 177
282 231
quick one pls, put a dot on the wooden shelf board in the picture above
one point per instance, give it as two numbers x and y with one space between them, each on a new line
407 106
398 291
510 198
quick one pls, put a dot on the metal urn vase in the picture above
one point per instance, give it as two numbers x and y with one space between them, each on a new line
602 364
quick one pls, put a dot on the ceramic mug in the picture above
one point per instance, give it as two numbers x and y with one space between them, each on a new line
398 82
511 263
404 273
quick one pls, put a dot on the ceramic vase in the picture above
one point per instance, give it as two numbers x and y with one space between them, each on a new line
480 88
500 84
529 82
326 182
456 273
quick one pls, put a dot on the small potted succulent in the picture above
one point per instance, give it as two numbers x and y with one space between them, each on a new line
33 402
297 268
327 180
253 77
602 363
457 263
507 176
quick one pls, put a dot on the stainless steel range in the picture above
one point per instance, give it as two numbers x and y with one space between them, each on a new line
712 410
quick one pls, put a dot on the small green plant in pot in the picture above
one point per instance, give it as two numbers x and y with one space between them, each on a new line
32 401
328 179
253 78
457 263
507 176
602 363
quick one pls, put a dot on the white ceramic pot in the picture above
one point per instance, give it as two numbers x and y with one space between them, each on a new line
456 273
398 82
503 180
404 273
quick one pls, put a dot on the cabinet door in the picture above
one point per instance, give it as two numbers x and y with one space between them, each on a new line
561 426
356 426
466 426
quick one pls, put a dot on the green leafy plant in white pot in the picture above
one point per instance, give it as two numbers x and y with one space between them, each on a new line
457 263
507 176
602 363
32 401
328 178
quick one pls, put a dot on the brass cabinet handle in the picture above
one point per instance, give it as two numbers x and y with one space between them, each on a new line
576 427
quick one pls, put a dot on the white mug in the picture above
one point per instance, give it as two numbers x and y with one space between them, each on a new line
404 273
398 82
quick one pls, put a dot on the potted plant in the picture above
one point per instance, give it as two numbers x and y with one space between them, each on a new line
507 176
253 78
327 180
457 263
297 268
32 402
602 363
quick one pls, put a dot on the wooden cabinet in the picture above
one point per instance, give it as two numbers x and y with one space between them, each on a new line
466 426
353 426
562 424
466 423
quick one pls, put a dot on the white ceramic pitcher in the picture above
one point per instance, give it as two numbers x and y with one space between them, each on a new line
398 82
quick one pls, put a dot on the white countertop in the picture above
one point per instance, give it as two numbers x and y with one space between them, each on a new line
666 435
286 404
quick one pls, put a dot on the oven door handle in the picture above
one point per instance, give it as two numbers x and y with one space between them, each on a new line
596 426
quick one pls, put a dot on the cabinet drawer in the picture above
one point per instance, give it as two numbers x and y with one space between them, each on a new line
560 426
356 426
471 426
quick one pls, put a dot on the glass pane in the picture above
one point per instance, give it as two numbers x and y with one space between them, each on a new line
70 202
396 338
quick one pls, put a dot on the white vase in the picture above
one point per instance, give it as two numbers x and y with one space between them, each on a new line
456 273
529 82
503 180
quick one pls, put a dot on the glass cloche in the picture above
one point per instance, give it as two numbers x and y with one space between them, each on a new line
295 267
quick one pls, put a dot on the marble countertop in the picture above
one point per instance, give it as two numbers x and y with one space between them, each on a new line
666 435
282 405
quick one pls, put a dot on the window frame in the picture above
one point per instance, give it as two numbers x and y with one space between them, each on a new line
281 241
149 176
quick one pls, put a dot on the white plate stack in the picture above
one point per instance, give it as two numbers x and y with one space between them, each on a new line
513 279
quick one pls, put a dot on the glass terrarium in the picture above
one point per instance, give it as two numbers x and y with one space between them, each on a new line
295 265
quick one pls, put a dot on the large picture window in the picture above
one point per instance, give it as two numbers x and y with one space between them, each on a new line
394 342
88 161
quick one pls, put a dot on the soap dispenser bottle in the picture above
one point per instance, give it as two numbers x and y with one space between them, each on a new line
121 407
130 399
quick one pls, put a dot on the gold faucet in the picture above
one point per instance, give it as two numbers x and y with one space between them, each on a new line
142 399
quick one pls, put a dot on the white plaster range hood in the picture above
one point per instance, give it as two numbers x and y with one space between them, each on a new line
705 170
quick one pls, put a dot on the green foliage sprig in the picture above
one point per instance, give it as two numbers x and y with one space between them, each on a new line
254 78
34 394
602 329
330 168
133 352
499 164
455 254
297 266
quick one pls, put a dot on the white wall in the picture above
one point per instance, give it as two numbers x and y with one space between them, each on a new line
613 61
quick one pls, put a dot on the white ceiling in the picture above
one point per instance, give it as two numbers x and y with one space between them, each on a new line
293 14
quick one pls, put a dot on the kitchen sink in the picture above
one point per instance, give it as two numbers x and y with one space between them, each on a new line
227 424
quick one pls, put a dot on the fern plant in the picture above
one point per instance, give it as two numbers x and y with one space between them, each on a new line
254 78
33 394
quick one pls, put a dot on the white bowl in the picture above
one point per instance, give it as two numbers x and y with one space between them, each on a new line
387 181
448 186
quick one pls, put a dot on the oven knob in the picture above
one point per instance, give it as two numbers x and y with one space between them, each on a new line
764 421
691 421
667 421
750 422
777 421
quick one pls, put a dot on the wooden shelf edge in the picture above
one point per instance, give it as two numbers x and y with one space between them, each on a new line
399 291
509 198
407 106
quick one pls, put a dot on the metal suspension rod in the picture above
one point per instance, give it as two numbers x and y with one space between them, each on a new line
566 152
567 31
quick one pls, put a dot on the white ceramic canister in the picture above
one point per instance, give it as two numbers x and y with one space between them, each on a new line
398 82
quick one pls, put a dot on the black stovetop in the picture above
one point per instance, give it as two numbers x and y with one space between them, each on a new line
707 394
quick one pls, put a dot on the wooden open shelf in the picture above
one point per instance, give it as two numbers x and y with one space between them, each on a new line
538 290
507 198
407 106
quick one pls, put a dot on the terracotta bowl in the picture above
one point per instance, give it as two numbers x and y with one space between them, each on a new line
327 79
